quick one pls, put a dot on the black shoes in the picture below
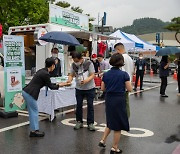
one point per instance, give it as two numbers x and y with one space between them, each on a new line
37 133
102 144
136 89
113 151
164 95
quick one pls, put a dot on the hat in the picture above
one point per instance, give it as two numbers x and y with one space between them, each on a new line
94 56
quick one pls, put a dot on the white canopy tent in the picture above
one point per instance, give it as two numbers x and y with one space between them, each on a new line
127 43
132 42
146 46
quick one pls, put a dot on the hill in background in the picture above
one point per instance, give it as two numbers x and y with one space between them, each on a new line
145 26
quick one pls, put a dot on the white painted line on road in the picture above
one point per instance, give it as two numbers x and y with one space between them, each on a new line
14 126
18 125
64 112
101 128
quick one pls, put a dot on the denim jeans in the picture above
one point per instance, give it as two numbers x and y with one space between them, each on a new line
33 111
80 95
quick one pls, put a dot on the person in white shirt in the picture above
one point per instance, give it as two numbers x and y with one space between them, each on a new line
128 67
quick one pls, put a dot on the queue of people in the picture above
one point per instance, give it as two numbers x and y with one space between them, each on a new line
116 83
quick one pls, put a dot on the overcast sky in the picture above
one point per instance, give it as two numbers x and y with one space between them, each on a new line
122 12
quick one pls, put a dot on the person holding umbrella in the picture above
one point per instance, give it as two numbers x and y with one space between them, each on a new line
177 62
164 67
163 74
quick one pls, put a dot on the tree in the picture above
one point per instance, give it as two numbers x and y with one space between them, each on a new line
63 4
51 1
23 12
77 9
175 26
145 26
90 20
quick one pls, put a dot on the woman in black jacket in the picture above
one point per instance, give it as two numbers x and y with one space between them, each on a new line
163 74
31 93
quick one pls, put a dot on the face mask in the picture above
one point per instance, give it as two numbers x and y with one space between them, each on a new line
78 64
54 55
140 57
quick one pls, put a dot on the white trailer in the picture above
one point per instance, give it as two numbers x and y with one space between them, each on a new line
35 52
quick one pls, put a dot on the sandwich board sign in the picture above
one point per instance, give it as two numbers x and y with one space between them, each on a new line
14 72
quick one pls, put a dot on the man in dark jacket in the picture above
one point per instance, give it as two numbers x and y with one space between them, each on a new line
31 93
57 71
140 67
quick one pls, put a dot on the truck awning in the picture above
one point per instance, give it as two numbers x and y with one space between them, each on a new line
86 35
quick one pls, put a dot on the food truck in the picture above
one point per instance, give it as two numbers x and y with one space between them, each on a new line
60 19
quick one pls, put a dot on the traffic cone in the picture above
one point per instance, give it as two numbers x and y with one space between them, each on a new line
138 83
175 75
151 73
134 78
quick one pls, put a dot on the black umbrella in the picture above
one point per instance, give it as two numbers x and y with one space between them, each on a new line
168 51
60 38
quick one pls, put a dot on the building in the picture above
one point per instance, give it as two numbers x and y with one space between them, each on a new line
166 38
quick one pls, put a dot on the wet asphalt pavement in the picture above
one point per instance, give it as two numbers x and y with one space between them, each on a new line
155 124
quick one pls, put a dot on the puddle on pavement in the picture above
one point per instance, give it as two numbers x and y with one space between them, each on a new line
174 137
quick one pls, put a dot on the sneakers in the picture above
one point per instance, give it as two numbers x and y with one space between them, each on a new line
37 133
78 125
91 127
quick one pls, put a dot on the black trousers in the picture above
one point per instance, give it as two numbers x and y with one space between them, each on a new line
178 76
80 95
163 85
141 75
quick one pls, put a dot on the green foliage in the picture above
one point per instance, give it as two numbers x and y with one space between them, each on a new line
174 25
77 9
63 4
23 12
90 20
145 26
28 12
172 58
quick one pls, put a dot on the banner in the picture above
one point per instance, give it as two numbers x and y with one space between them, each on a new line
68 18
14 72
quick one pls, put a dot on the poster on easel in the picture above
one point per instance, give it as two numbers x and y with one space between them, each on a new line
14 72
